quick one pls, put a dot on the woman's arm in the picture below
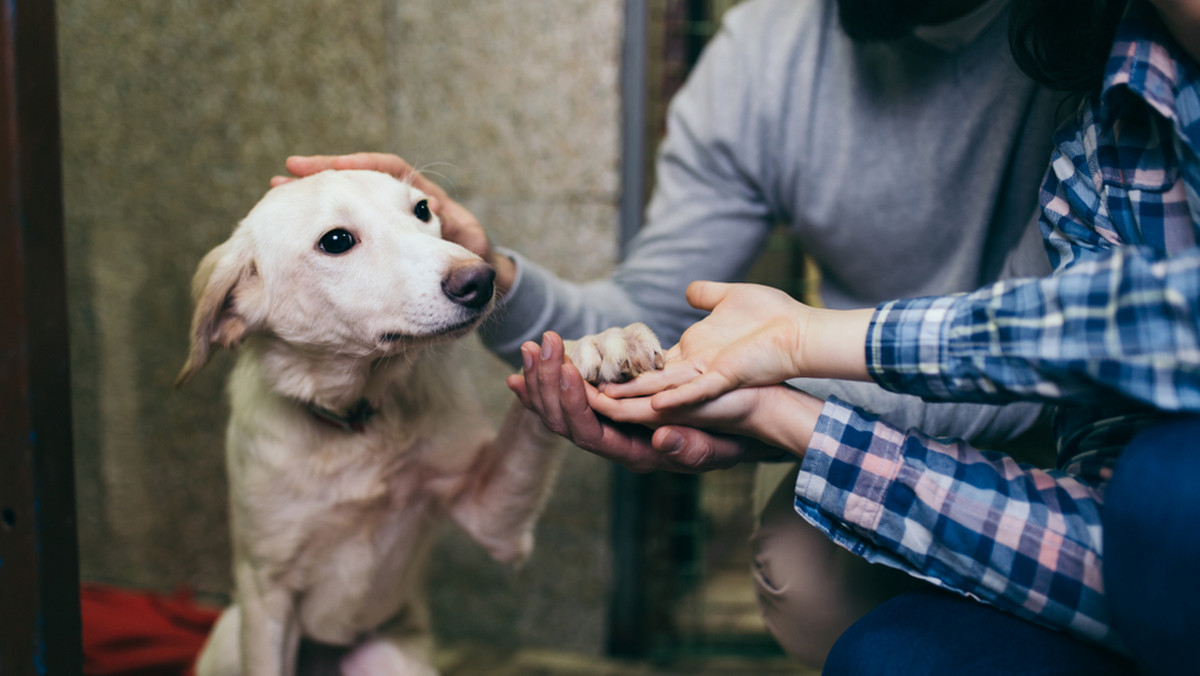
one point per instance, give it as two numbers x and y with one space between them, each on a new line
1021 538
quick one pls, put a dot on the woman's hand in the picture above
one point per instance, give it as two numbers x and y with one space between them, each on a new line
778 416
458 224
753 336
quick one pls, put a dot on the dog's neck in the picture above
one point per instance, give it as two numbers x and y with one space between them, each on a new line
342 388
354 419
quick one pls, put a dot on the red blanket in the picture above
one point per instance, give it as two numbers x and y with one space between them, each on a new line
139 633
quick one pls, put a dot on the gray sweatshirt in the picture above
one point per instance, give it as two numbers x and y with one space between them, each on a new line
904 169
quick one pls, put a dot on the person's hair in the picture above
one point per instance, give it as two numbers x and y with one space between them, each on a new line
1064 44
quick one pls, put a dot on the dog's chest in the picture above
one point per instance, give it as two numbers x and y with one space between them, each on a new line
353 544
355 575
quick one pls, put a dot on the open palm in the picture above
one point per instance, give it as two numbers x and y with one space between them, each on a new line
751 337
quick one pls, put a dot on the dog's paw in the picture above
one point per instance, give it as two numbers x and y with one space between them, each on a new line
616 355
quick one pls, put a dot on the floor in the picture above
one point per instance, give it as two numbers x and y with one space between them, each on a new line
723 613
481 661
721 616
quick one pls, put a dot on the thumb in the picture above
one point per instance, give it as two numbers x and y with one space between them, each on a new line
705 295
695 450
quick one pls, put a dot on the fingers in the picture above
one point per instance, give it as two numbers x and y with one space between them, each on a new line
307 165
705 295
549 382
705 387
632 410
676 384
300 166
461 227
673 374
543 383
516 383
583 427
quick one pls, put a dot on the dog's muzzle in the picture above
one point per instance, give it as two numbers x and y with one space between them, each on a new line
470 285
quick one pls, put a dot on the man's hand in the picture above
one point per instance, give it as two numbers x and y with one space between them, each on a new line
458 224
553 388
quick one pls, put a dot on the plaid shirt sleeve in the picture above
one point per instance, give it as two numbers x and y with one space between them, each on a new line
1022 539
1121 321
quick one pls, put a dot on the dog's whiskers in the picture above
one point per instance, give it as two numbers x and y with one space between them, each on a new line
424 170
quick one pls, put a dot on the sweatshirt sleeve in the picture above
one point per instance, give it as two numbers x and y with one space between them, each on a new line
1122 323
707 218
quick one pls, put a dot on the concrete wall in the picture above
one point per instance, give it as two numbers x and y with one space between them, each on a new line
175 115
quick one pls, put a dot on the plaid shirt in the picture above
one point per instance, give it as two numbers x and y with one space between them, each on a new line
1113 337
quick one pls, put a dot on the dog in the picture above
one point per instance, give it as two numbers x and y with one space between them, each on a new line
354 433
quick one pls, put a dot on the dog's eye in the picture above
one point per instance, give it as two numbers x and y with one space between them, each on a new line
336 241
421 211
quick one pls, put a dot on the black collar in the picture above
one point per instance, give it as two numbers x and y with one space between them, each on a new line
353 420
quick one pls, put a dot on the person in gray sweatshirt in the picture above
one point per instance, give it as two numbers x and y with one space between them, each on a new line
899 144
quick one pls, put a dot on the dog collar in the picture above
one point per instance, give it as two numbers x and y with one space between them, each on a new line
353 420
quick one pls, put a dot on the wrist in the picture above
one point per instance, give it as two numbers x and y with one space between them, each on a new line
834 344
786 418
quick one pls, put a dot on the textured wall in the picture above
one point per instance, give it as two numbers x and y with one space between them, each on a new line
175 115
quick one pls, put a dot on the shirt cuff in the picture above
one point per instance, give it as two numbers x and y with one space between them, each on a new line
525 298
908 345
847 468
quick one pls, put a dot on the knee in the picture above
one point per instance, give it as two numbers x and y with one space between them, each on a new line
1157 473
803 621
858 653
1152 544
810 590
1152 494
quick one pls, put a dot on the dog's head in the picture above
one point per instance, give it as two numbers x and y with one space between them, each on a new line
342 262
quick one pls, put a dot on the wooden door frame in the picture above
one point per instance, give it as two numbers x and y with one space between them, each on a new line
40 629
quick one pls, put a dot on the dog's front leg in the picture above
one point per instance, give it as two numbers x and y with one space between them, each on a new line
270 635
516 470
510 484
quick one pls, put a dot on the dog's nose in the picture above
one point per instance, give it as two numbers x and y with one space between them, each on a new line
470 285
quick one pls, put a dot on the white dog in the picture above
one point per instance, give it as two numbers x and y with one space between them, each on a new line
352 434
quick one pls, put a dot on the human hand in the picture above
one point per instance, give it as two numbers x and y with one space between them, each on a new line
753 336
780 418
458 224
553 388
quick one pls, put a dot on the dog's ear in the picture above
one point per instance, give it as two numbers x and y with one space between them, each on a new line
225 285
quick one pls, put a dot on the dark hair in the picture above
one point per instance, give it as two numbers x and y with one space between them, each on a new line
1064 44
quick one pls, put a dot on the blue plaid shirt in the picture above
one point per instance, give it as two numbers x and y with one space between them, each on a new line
1112 338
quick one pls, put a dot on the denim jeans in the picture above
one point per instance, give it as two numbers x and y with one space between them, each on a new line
932 632
1152 547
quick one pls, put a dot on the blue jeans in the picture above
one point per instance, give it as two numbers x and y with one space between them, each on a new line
1151 573
1152 547
932 632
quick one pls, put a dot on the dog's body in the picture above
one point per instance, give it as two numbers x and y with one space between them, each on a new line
353 435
